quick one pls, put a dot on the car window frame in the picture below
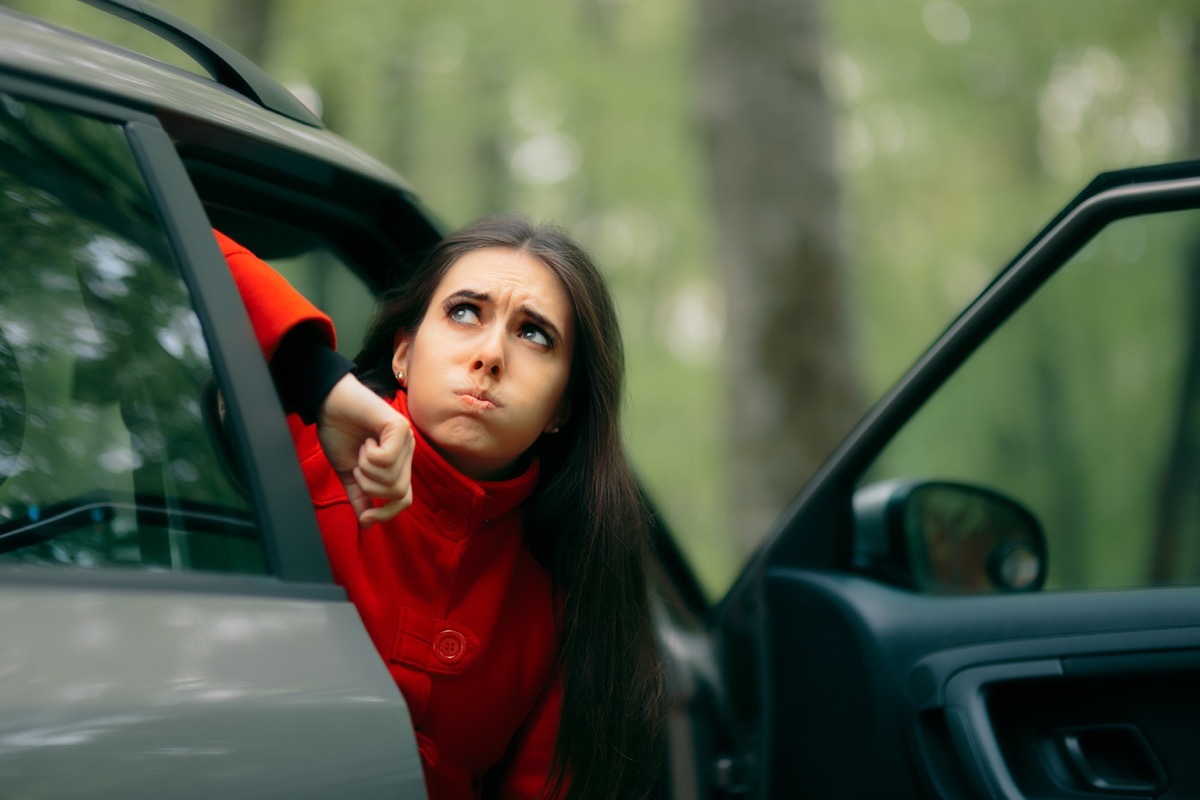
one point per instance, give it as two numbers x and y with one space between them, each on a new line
293 548
816 531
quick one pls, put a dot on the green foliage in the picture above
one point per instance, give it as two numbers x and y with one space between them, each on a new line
965 127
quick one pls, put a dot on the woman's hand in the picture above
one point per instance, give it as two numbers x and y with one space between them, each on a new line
370 445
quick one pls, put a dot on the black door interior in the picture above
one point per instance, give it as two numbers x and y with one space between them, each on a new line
883 693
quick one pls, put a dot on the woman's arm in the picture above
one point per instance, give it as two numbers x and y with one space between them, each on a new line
275 307
368 443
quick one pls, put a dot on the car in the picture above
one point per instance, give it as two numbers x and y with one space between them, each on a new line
969 599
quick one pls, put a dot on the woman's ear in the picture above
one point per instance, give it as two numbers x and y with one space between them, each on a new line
400 348
561 416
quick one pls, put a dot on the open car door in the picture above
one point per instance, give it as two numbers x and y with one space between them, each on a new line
986 591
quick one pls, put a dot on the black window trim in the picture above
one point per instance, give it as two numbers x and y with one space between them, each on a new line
292 542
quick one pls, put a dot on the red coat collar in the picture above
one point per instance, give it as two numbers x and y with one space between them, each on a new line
457 503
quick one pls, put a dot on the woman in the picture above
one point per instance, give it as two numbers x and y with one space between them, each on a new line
504 583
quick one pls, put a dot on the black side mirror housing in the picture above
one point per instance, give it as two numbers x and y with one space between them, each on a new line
943 537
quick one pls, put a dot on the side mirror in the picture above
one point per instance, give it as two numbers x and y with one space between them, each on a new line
947 538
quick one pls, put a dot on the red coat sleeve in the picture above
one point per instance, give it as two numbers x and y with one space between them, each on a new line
532 753
273 305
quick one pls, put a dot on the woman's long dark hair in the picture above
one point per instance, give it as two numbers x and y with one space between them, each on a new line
587 522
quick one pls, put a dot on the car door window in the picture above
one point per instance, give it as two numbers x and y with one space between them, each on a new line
110 418
1083 407
322 276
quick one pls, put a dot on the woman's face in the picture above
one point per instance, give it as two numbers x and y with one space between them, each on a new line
487 369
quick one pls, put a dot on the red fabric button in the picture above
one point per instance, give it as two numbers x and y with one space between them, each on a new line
449 646
452 521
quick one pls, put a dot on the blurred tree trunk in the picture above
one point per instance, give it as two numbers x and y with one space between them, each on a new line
790 370
496 191
1180 475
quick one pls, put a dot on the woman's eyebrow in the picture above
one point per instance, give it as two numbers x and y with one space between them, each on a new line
469 294
540 319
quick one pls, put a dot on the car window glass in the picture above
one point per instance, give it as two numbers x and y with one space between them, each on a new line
1084 407
330 284
110 430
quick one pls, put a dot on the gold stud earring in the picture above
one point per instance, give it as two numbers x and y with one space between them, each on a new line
400 377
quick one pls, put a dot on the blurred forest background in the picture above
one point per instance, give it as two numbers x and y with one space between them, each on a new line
790 198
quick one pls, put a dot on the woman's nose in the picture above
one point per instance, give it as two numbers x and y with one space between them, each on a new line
490 357
492 367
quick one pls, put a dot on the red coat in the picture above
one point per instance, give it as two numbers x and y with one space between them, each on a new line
452 598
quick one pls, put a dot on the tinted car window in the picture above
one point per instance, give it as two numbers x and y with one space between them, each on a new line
1083 407
110 430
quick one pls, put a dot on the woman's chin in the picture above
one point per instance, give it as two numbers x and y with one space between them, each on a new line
478 460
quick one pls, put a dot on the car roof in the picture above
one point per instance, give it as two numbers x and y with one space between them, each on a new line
99 69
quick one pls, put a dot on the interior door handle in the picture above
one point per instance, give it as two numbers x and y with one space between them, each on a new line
1111 759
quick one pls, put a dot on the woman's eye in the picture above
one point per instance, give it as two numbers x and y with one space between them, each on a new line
465 314
536 335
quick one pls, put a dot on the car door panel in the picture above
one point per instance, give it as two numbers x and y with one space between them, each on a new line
120 692
971 697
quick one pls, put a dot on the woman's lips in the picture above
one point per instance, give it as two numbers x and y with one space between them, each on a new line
478 401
